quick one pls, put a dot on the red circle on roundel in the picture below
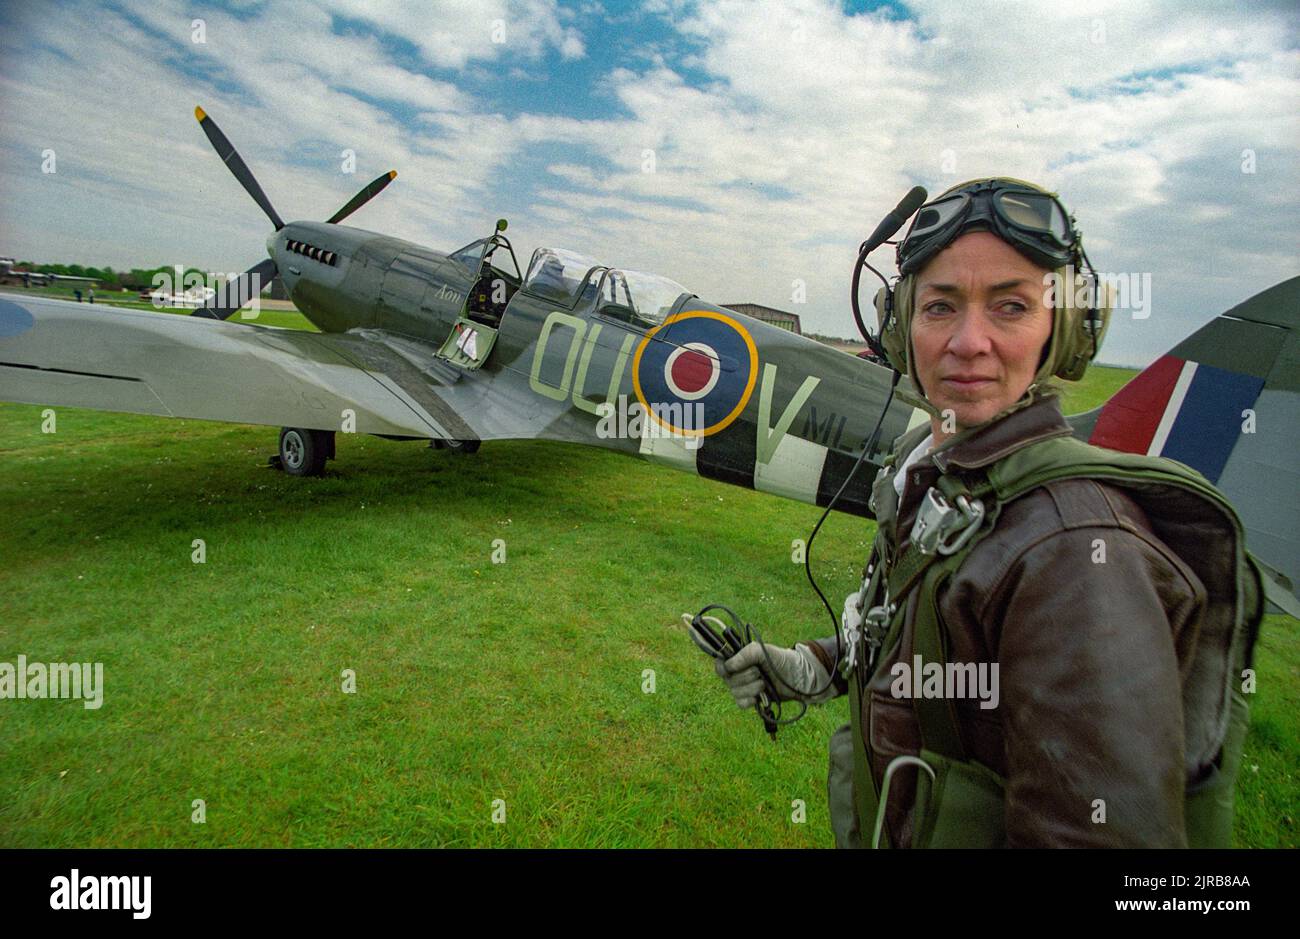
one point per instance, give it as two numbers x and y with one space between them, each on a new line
692 370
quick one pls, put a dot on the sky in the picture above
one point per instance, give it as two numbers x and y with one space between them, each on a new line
744 149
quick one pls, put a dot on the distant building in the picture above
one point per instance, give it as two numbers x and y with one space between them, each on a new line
767 314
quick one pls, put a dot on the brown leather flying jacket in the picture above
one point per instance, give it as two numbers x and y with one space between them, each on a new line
1091 658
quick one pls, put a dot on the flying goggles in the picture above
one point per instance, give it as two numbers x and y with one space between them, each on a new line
1034 222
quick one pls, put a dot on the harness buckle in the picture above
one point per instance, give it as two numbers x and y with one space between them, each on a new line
942 527
869 628
876 625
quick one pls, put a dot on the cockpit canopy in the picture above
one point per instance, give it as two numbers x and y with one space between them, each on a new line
474 254
572 279
559 275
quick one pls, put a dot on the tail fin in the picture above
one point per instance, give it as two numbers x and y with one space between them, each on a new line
1226 401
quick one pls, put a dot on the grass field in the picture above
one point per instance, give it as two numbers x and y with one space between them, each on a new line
524 681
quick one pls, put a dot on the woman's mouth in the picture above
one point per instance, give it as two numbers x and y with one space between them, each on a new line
966 382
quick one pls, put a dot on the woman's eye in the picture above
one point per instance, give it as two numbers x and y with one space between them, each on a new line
938 308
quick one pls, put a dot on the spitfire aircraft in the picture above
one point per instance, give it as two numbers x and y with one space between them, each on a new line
464 347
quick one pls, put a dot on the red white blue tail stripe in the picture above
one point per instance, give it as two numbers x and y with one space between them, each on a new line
1185 410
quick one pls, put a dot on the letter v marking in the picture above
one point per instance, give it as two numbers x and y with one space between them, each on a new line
769 437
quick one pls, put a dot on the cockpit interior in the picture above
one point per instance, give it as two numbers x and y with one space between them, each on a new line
494 285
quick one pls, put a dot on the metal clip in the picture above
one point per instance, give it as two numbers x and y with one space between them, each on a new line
851 620
900 760
885 471
943 528
877 620
876 626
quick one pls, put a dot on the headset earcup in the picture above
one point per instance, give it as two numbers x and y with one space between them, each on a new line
1079 347
882 310
891 325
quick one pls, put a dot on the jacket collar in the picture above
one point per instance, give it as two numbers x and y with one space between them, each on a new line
1037 419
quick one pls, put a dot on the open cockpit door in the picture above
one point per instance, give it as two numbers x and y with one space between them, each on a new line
469 344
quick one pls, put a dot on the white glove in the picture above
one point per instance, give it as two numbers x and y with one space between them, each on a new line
798 674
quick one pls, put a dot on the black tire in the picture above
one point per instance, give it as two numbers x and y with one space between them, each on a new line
463 446
304 452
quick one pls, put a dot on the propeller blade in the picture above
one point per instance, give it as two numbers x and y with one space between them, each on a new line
241 291
236 163
361 198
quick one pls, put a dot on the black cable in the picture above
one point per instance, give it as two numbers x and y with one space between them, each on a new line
729 642
807 554
867 448
751 633
772 718
873 341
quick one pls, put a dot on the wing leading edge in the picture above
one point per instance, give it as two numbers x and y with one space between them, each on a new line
60 353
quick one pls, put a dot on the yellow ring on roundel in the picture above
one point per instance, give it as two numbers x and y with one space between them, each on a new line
749 384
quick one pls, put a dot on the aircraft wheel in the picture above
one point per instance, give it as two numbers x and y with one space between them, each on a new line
303 452
463 446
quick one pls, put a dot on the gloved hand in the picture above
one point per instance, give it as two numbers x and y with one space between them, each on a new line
798 670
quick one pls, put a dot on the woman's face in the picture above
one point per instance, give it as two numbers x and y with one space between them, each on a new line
979 328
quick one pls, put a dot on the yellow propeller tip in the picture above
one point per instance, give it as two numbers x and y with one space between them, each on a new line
199 113
392 174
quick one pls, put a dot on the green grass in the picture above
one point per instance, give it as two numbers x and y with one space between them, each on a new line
1098 386
476 681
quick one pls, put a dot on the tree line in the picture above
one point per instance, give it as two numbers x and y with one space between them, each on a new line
138 278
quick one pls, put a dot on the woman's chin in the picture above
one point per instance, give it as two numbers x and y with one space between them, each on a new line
969 413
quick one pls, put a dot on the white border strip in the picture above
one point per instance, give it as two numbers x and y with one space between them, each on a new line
1172 408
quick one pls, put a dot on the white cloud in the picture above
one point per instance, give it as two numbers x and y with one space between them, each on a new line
808 126
454 33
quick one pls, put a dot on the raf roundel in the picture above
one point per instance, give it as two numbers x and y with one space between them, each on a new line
701 362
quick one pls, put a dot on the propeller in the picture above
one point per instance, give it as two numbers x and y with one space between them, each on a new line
361 198
230 156
240 290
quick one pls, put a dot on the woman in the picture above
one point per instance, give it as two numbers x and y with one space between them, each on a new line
1080 668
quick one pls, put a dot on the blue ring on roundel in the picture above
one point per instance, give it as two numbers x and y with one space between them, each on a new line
737 363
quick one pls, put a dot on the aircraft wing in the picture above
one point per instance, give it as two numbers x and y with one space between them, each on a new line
61 353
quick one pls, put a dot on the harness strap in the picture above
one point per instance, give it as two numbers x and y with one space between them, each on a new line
937 716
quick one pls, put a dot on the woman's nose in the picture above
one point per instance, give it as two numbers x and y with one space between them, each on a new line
970 335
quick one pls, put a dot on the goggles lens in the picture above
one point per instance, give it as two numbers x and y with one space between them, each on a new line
1035 212
937 215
